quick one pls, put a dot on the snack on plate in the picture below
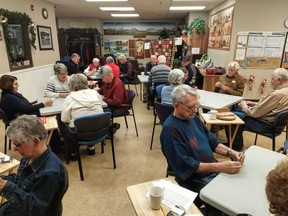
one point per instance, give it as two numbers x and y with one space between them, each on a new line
226 116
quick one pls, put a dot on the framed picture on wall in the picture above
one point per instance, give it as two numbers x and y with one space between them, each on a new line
45 38
221 29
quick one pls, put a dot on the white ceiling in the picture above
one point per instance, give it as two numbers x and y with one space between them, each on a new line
147 9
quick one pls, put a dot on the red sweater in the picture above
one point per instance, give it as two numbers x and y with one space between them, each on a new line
115 69
115 93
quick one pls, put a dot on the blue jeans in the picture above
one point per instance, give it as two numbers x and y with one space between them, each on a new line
251 124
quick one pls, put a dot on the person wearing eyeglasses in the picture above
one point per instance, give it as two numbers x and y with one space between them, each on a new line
40 176
188 146
57 85
14 103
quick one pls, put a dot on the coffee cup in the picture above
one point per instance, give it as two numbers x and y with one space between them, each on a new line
213 114
142 73
156 194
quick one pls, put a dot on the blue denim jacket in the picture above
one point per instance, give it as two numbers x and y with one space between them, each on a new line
30 192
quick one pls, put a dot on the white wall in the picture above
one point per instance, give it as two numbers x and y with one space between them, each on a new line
32 81
39 57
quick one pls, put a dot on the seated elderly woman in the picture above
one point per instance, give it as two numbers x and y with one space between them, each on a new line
231 83
14 103
57 85
175 78
40 179
82 101
277 189
92 68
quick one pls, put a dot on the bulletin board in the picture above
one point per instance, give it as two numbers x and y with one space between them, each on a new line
285 55
260 49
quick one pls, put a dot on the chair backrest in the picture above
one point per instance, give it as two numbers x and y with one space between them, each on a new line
3 116
131 96
281 121
57 207
159 89
93 127
163 111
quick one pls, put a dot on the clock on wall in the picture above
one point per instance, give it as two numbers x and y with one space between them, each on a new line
44 13
286 22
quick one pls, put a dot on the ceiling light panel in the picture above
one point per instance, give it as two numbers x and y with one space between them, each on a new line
125 15
106 0
117 8
187 8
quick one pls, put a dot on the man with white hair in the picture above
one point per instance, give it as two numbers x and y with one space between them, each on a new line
126 68
92 68
115 68
73 64
159 73
266 109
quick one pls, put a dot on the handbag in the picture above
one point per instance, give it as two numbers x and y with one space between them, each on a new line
219 70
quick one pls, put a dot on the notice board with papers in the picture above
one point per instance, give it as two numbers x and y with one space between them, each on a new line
260 49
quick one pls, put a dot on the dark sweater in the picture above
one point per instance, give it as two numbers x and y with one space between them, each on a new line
15 104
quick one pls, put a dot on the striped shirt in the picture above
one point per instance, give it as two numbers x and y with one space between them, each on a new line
159 74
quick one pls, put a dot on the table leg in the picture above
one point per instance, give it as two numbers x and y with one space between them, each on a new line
141 90
234 134
49 137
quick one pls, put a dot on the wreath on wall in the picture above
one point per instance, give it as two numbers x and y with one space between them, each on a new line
4 15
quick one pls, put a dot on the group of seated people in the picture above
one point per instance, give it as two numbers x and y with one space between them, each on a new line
80 100
186 143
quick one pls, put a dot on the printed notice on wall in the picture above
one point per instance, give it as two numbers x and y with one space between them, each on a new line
240 54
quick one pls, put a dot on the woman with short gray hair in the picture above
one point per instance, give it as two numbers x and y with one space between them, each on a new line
175 78
57 85
82 101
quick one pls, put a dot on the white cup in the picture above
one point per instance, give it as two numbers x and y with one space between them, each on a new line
213 114
156 195
143 73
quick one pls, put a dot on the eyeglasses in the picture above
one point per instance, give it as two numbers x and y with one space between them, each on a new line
196 106
17 146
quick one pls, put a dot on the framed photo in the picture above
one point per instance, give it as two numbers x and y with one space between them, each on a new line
221 29
45 38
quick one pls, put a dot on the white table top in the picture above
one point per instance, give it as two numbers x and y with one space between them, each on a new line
95 77
213 100
143 78
56 107
243 192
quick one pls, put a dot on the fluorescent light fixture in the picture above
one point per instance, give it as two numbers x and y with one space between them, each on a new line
117 8
125 15
187 8
192 0
106 0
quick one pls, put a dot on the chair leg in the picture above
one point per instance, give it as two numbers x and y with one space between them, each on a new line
273 142
135 121
112 146
102 147
255 141
80 165
152 137
66 150
126 121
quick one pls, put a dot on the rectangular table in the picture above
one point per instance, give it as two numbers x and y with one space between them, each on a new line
142 79
213 100
50 123
56 107
243 192
141 202
7 168
209 122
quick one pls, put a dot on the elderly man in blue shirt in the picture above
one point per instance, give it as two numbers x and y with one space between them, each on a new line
188 145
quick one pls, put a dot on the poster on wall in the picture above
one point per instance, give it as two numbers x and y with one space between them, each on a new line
139 49
44 37
116 46
221 29
138 28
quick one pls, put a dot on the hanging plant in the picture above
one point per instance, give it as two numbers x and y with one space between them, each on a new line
198 24
17 16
